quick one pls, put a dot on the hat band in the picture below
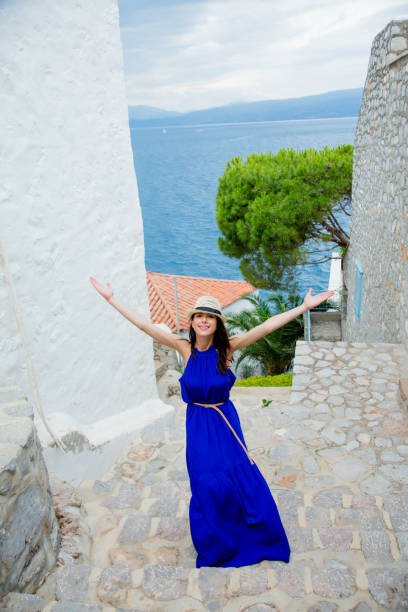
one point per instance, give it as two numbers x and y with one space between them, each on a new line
208 309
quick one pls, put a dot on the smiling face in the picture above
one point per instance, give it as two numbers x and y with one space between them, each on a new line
204 324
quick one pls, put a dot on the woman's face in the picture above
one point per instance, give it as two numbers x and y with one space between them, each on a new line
204 324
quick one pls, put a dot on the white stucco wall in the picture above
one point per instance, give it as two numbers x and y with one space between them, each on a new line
335 278
69 209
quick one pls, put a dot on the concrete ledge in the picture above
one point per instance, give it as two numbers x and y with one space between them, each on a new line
268 393
92 449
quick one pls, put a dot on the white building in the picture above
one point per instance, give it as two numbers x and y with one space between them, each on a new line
69 209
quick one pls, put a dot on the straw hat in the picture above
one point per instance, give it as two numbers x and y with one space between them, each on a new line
207 303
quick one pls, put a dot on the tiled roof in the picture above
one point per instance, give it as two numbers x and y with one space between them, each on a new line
162 302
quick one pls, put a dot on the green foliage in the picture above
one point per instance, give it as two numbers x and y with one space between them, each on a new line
342 251
282 380
270 206
276 350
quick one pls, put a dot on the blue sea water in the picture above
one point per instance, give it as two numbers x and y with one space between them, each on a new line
178 168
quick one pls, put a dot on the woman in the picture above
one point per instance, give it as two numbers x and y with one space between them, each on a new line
234 520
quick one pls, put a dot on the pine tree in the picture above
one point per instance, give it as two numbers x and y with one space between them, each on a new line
280 211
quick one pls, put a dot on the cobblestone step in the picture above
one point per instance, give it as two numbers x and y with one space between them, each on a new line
335 456
303 585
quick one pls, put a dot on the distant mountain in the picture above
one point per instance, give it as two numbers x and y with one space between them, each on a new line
145 113
342 103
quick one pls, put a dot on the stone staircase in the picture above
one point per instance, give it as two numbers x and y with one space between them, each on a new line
334 452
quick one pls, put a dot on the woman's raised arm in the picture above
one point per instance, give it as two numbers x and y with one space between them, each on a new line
172 340
246 338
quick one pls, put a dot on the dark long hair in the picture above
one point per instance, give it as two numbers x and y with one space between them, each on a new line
220 342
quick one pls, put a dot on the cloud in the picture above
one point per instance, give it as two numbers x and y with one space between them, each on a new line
185 55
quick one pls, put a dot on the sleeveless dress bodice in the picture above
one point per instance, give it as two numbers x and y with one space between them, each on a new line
201 384
234 520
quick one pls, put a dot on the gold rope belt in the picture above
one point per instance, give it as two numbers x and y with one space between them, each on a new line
227 422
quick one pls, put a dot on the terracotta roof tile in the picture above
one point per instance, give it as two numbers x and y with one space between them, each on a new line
162 301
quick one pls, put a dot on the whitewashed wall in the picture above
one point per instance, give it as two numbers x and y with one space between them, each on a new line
69 209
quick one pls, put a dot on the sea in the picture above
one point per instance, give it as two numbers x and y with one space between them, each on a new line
177 170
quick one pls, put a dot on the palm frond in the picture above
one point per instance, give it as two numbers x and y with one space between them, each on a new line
276 350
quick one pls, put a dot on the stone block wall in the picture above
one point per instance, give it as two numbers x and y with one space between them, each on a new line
379 222
165 358
29 533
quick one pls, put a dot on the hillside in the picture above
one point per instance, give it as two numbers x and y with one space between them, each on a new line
343 103
146 113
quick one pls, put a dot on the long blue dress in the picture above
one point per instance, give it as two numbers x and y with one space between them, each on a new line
234 520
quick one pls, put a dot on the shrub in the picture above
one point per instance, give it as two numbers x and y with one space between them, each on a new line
281 380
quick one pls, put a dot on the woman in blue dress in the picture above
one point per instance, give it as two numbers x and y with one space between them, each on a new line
234 520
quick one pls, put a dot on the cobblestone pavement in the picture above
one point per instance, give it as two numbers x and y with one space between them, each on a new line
335 455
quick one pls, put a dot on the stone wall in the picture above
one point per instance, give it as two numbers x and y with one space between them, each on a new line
29 534
165 358
379 223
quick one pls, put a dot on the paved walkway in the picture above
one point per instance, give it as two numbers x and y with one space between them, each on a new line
335 455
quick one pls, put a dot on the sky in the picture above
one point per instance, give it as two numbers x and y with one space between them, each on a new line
183 55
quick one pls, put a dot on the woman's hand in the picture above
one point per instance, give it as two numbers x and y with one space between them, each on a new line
106 292
174 341
311 301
